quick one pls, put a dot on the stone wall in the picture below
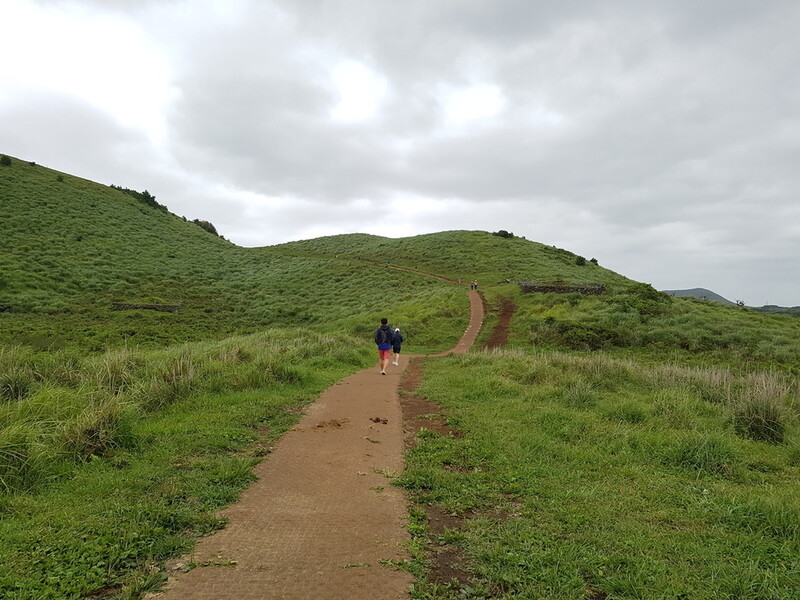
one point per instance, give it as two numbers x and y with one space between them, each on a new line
560 287
161 307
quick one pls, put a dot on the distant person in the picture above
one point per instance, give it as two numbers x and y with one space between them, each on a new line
474 285
398 341
384 339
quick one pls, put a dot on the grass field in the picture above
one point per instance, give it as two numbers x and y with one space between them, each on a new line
627 445
590 477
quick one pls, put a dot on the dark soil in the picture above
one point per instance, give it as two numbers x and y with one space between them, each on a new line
499 336
448 563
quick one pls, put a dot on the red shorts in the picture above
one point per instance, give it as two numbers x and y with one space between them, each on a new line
384 354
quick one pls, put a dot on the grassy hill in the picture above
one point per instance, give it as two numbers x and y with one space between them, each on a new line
72 247
624 445
465 256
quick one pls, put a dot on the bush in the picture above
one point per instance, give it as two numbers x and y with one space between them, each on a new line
580 261
5 161
207 225
644 299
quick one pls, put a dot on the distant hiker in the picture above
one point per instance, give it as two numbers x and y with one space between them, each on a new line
474 285
384 339
398 341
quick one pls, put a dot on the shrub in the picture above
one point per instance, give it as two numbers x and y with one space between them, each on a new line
207 225
5 161
644 299
580 261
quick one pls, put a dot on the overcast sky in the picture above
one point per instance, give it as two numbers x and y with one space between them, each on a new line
662 138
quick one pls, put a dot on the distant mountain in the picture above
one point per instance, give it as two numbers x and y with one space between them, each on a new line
699 293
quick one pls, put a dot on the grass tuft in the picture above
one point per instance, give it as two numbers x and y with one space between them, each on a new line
22 458
105 425
702 451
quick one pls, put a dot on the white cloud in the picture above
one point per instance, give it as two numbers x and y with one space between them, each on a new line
360 91
106 60
465 106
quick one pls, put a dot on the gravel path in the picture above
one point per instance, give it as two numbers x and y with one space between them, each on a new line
323 519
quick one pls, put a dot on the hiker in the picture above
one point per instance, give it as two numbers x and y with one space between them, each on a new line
396 343
384 339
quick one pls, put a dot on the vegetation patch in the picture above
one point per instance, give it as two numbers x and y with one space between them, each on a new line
636 488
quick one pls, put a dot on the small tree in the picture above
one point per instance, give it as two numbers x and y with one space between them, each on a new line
5 161
207 225
593 261
504 234
580 261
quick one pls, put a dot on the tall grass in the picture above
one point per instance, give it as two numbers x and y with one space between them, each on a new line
84 408
121 459
603 477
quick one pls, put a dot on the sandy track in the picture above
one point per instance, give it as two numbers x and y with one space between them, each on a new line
322 519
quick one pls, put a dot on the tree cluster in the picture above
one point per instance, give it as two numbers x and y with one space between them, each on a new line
145 197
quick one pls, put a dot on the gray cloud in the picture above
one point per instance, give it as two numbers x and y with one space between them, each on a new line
660 137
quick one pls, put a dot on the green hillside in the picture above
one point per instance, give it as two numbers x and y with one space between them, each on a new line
621 445
465 256
72 247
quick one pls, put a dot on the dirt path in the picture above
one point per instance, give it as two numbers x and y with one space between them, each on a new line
499 336
323 518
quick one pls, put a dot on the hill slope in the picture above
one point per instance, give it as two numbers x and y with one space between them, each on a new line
71 247
464 255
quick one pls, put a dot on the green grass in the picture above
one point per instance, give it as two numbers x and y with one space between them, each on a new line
461 255
629 445
583 476
112 464
636 321
73 247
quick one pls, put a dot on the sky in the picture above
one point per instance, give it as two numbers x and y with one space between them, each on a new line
661 138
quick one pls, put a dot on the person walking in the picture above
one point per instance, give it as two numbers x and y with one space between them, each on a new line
384 339
396 343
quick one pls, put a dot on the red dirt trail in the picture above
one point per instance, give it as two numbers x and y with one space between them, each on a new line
322 519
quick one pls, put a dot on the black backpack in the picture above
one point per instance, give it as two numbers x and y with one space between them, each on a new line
384 336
